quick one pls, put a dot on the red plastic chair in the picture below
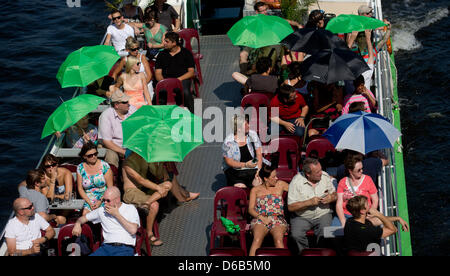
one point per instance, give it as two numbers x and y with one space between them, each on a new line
321 145
187 35
318 252
288 151
355 253
272 251
257 101
169 85
66 233
227 252
142 238
233 206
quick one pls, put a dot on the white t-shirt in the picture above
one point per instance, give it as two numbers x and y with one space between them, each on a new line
25 234
112 230
119 36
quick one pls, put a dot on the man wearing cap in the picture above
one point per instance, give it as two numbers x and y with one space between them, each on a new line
110 126
365 10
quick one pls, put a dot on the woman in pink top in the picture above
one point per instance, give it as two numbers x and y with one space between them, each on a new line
355 184
361 94
134 83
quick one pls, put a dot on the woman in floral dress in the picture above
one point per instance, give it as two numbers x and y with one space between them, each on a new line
267 207
94 176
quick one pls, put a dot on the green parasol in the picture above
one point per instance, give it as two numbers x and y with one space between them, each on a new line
347 23
259 31
162 133
86 65
70 112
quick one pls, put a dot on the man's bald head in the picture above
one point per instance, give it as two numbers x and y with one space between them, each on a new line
112 192
20 202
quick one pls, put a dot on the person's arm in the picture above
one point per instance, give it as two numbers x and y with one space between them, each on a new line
49 234
148 71
351 38
13 251
68 182
158 74
239 165
289 126
301 205
386 35
294 23
112 146
146 93
340 208
81 191
300 121
130 227
119 68
368 34
389 228
76 231
107 40
109 178
188 75
177 24
369 96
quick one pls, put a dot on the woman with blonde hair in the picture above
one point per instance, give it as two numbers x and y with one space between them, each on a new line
134 83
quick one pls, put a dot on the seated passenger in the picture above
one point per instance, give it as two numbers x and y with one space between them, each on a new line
363 228
81 133
131 12
132 47
266 206
94 176
31 189
23 232
110 126
316 20
262 81
356 183
134 83
166 14
294 79
242 154
119 222
118 32
288 58
154 34
361 94
58 180
144 193
292 111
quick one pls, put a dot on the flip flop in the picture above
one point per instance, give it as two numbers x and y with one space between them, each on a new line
153 242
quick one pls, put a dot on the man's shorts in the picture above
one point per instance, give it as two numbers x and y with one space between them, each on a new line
136 196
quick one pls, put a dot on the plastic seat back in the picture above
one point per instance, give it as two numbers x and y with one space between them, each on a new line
272 251
226 251
255 104
142 239
188 35
321 146
66 233
233 203
170 85
287 151
318 252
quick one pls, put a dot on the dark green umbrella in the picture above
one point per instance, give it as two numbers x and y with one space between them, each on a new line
86 65
259 31
162 133
70 112
347 23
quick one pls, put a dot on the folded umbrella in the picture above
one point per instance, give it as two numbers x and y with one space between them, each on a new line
229 225
259 30
362 132
333 65
311 41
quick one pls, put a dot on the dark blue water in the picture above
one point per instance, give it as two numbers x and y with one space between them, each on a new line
36 36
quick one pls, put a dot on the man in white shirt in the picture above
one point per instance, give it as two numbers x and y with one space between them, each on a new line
23 232
120 222
309 197
118 33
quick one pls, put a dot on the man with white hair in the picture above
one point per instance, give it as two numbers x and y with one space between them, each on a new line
120 222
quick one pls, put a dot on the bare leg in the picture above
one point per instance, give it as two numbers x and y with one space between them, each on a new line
181 194
259 232
153 211
278 235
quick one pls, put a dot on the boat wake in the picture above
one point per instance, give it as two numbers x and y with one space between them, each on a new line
403 32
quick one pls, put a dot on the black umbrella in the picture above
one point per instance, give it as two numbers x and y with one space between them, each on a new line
311 41
332 65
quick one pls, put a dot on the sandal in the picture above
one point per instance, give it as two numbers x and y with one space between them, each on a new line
154 241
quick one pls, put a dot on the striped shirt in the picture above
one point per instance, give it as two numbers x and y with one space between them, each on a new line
355 98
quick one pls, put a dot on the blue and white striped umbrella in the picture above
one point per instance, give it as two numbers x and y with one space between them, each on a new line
362 132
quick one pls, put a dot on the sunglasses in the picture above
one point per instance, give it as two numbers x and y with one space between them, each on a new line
28 208
50 165
138 64
124 102
134 49
115 18
91 155
106 200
